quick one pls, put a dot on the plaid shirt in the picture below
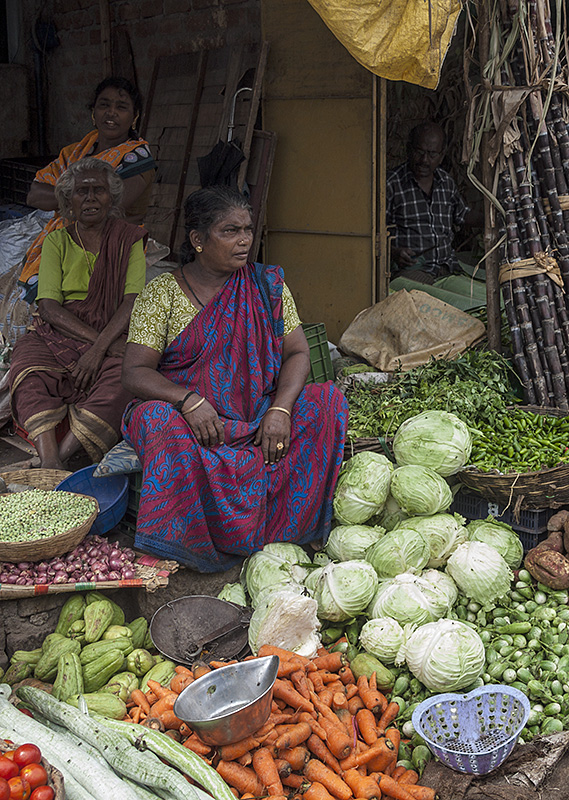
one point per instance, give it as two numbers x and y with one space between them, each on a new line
422 221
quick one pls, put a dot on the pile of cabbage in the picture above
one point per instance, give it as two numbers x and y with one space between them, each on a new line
395 558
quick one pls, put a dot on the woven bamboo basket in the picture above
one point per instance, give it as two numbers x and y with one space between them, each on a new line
38 478
375 444
54 776
40 549
547 488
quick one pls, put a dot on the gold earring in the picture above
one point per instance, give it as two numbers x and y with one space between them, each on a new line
93 118
199 248
135 120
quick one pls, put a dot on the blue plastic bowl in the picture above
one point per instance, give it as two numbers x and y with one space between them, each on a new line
110 491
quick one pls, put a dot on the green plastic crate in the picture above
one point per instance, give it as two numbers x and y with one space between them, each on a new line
321 369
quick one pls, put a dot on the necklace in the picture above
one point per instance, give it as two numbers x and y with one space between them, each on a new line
190 288
89 265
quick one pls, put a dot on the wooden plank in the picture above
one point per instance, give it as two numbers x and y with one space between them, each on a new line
258 176
106 51
255 99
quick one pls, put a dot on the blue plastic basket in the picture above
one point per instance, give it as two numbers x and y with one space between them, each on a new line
473 732
111 492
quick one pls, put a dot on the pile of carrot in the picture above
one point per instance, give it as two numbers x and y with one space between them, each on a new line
328 736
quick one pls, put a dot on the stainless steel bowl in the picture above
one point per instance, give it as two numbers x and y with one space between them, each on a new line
231 702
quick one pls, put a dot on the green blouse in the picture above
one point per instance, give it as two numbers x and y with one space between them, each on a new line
162 311
65 269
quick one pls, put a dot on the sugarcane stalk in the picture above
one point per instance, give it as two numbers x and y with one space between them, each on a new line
518 346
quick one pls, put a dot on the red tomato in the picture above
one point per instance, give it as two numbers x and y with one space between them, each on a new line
27 712
8 769
42 793
20 789
27 754
9 754
4 789
35 775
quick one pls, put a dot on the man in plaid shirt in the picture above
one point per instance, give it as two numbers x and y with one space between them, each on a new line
425 207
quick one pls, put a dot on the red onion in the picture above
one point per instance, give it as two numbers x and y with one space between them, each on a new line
60 577
128 574
116 563
114 576
12 578
41 567
21 581
24 565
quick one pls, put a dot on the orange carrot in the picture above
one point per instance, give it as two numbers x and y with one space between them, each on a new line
382 749
326 696
160 691
286 668
398 772
230 752
409 777
300 683
200 668
393 789
367 725
347 720
351 690
338 741
331 662
339 701
394 736
181 670
355 703
266 770
135 714
361 785
195 744
316 791
285 655
316 679
319 772
170 720
418 792
139 698
247 796
151 697
295 782
304 716
295 756
283 767
217 664
372 698
346 675
245 759
185 730
244 779
294 736
323 709
284 690
162 705
179 682
321 751
387 717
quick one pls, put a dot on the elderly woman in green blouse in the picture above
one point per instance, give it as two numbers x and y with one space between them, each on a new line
236 450
69 366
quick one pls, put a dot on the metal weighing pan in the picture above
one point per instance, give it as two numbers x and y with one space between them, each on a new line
200 627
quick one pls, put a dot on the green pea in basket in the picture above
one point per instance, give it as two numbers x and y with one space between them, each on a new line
40 549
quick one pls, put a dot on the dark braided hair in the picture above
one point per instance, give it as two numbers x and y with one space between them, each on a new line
205 208
122 85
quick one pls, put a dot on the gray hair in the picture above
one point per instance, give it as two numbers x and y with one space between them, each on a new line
65 185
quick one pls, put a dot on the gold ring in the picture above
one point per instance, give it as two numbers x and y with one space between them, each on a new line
280 445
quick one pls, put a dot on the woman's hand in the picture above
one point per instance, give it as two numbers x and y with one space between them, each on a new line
205 424
87 368
274 431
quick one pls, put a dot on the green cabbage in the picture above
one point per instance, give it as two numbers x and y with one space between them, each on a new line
444 532
420 491
480 572
435 439
401 550
362 488
498 535
383 638
391 515
233 593
410 598
278 562
344 590
350 542
285 617
445 655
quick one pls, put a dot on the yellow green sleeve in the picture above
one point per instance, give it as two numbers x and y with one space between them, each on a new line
290 314
50 275
136 270
161 312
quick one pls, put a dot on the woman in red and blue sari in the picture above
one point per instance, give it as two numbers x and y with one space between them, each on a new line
236 450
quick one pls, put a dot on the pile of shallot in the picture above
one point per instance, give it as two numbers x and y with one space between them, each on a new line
95 559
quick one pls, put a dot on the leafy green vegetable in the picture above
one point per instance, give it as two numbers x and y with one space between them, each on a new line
350 542
362 487
383 638
344 590
434 439
415 599
444 532
420 490
500 536
480 572
401 550
445 655
277 562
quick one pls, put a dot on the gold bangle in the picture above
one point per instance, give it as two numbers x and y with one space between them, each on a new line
279 408
197 405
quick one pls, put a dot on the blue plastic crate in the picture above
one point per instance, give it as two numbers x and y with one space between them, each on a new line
110 491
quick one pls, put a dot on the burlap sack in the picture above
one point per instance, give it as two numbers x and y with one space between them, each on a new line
407 329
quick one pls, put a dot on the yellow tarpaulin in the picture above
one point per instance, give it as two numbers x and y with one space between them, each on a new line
402 40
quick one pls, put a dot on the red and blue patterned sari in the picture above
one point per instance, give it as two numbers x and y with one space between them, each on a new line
208 506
